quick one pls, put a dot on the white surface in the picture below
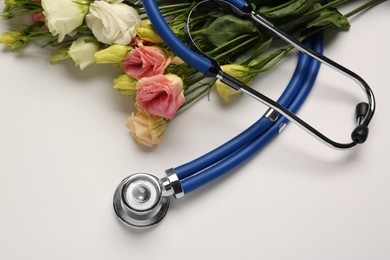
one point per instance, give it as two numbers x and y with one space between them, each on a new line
64 149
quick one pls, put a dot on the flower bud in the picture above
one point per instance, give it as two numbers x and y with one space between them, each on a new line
146 32
176 60
14 39
59 55
114 54
146 129
82 51
125 84
241 73
10 2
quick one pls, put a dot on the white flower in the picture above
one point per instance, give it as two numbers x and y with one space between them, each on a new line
64 16
113 22
82 51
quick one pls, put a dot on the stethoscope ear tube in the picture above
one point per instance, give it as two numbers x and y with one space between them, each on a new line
209 67
359 134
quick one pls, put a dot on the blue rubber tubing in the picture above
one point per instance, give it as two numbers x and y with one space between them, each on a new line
224 166
253 131
240 4
196 61
203 65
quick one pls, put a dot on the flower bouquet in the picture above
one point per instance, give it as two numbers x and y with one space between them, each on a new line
118 33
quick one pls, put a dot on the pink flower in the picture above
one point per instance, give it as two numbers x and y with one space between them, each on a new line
160 95
146 61
38 17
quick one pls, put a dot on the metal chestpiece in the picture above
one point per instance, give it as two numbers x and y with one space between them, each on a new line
141 200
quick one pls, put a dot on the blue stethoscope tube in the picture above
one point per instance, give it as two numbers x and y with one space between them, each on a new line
253 131
302 82
196 61
141 200
200 63
216 163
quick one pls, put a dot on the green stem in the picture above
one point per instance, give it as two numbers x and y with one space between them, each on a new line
276 61
195 80
284 51
192 90
200 94
173 12
222 55
171 9
280 6
174 6
232 42
365 6
328 5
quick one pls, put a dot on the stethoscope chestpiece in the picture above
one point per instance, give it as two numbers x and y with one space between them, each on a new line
139 201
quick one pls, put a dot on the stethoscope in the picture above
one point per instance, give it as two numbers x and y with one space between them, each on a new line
142 200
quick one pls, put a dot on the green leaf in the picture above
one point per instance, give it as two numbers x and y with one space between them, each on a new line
293 7
332 17
252 53
226 28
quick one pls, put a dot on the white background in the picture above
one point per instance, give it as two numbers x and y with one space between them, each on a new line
64 149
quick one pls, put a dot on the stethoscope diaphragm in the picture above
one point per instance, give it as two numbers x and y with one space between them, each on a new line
138 201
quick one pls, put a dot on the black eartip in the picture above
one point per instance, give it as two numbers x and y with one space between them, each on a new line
361 110
360 134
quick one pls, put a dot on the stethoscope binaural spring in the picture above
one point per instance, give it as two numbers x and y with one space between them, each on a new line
141 200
